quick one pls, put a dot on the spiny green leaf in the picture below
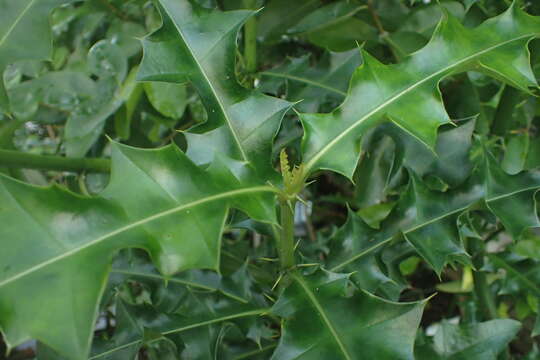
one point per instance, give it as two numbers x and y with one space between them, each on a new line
427 219
519 274
335 26
450 162
480 341
511 197
144 319
313 85
407 93
210 281
172 208
25 34
278 16
197 45
323 322
367 273
128 333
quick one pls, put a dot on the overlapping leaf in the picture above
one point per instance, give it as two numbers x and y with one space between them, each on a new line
427 219
143 326
480 341
197 45
323 322
335 26
407 93
20 21
157 199
367 272
313 85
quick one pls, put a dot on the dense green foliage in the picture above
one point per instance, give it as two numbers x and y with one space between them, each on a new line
248 179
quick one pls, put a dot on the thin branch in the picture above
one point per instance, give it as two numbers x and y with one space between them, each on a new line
18 159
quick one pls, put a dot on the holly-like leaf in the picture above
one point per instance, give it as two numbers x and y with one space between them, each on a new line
368 275
277 17
407 93
128 333
312 85
450 162
480 341
25 34
209 281
511 197
335 27
323 321
173 209
194 328
428 219
197 45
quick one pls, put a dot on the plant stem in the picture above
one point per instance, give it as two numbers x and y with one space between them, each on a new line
481 287
286 238
17 159
250 39
484 296
375 17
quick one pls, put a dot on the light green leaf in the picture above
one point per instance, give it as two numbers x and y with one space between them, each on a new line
174 209
168 98
407 93
87 121
25 34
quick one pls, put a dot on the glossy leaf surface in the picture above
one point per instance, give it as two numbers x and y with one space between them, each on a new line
323 321
73 238
197 45
481 341
20 21
428 219
407 93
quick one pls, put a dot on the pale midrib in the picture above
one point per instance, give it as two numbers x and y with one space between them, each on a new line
338 138
216 96
335 21
184 328
325 318
136 224
304 80
514 271
431 221
16 22
179 281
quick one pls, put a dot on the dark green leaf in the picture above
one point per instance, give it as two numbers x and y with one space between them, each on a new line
481 341
197 45
407 92
174 210
323 321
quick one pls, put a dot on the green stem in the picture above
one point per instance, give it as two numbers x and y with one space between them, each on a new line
250 39
481 287
286 238
17 159
484 296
